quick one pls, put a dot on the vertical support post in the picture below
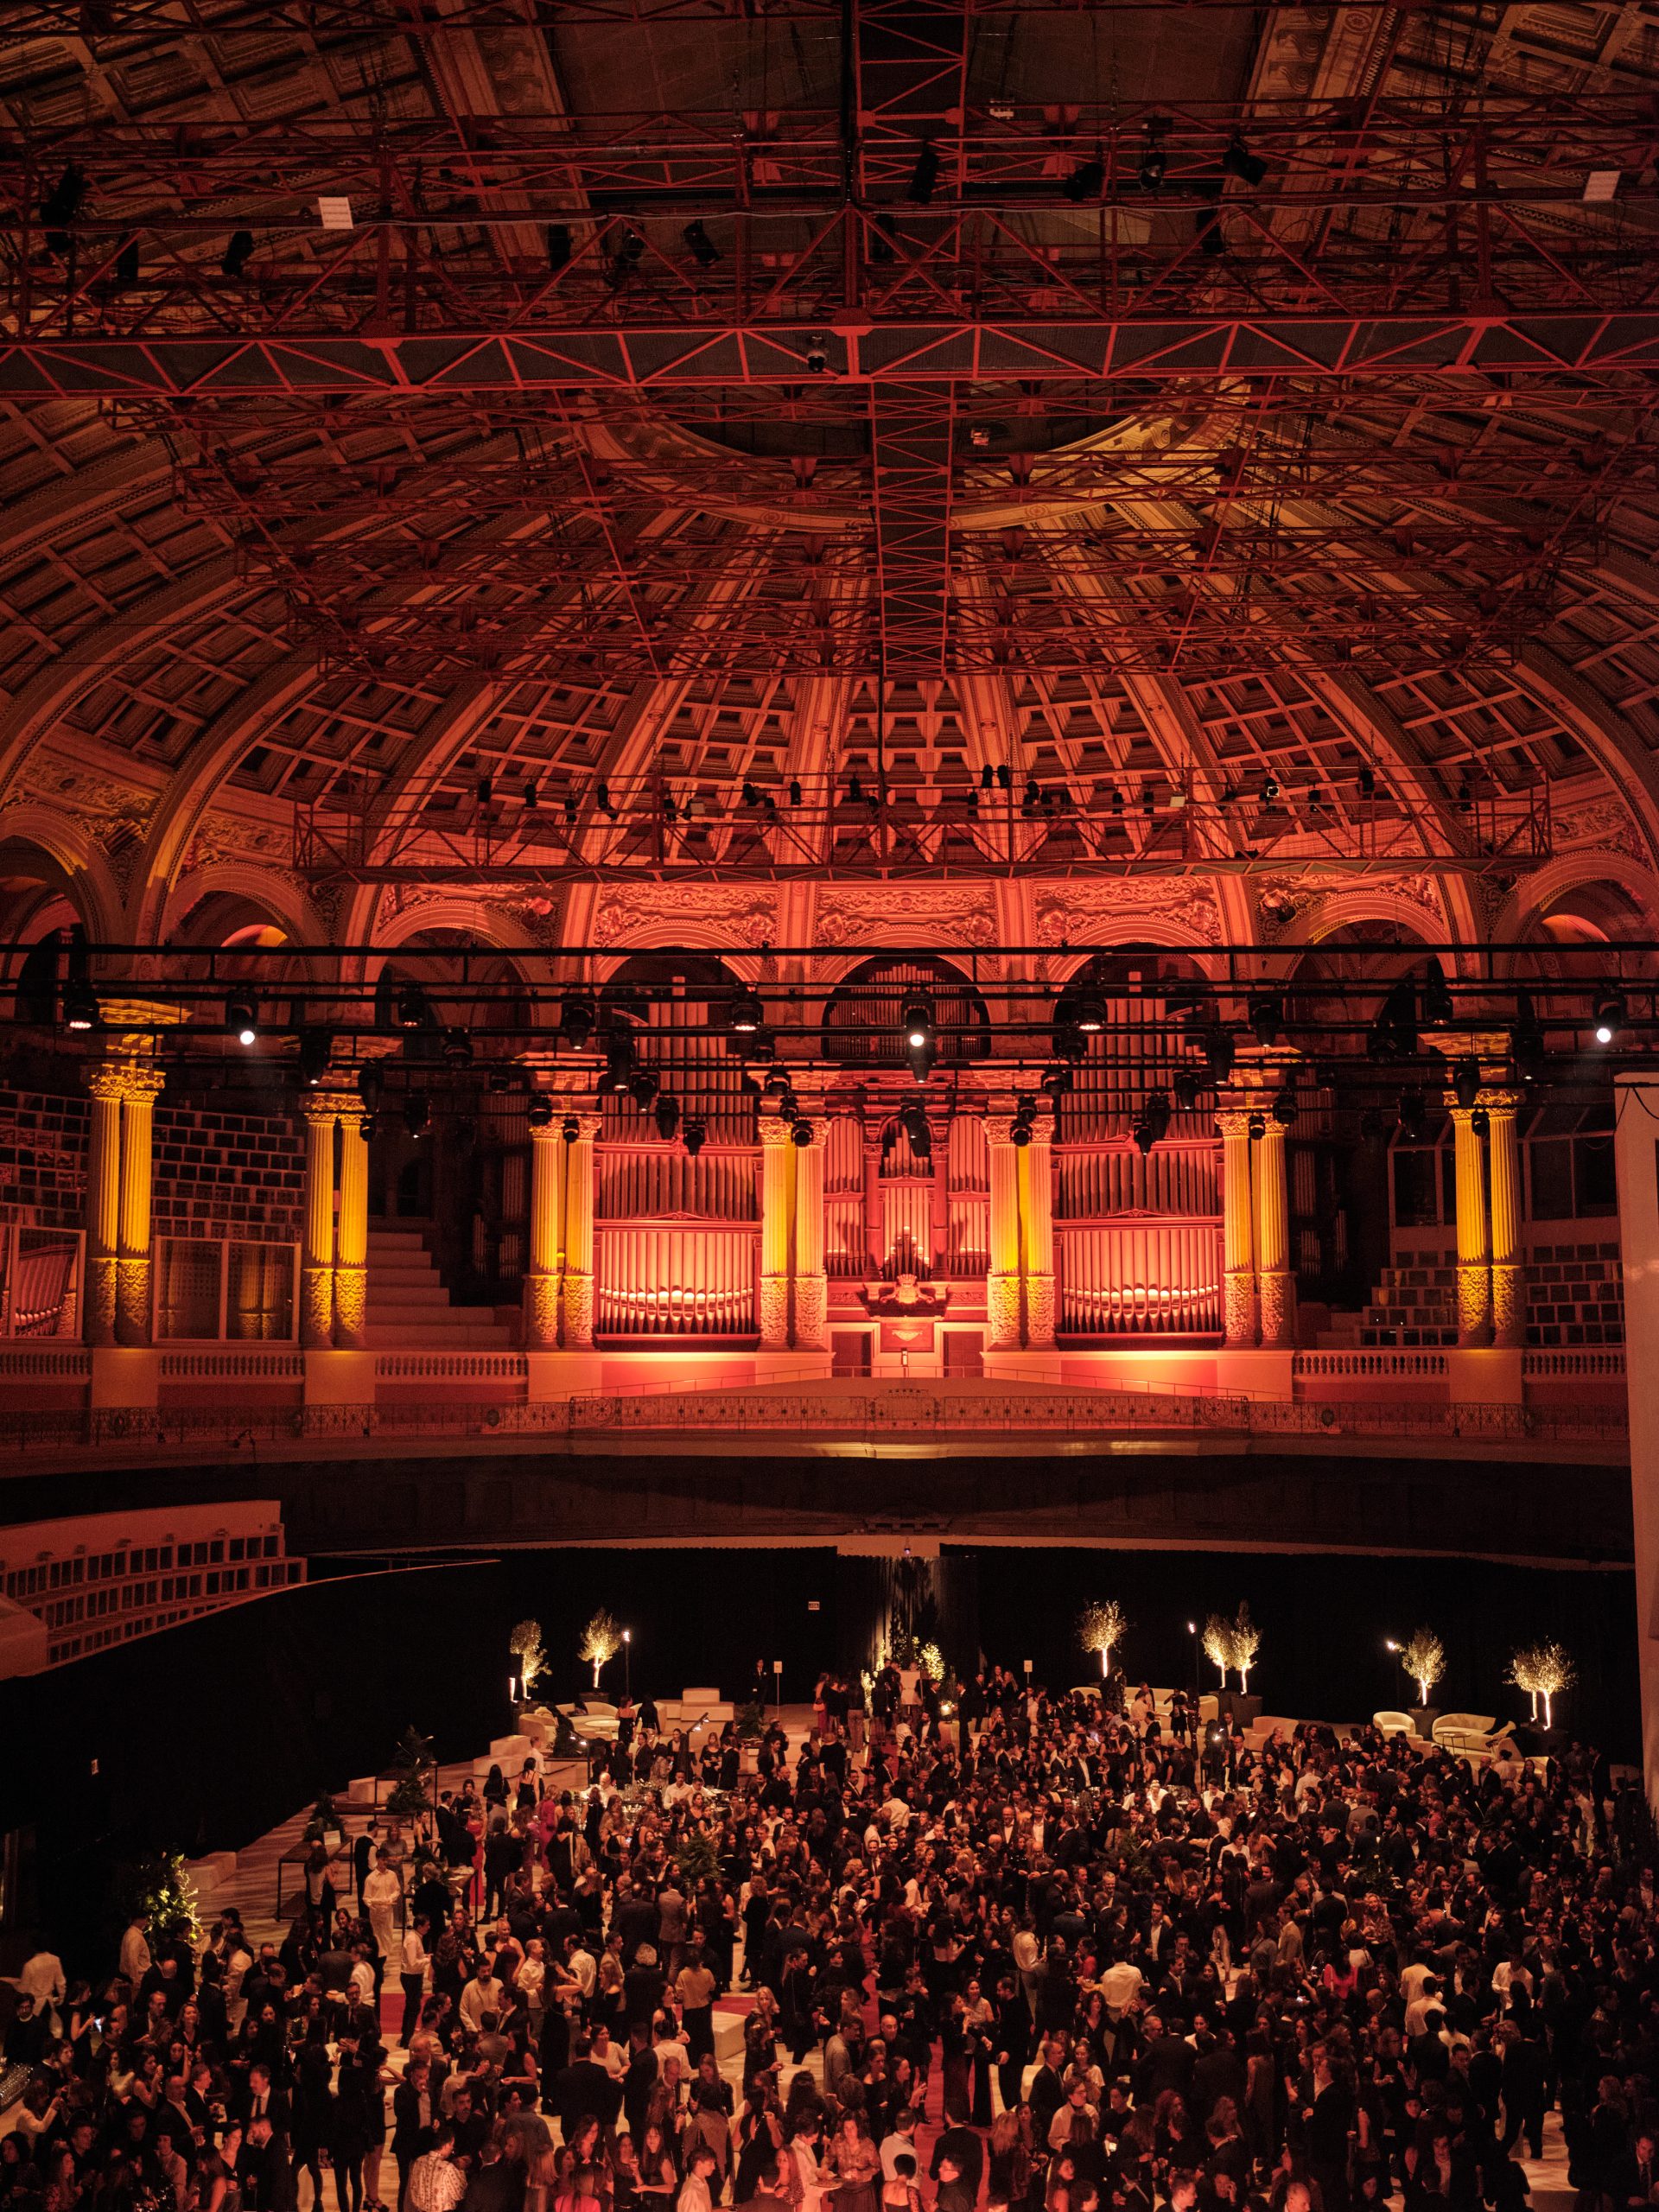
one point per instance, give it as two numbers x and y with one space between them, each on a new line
132 1317
811 1299
1474 1241
107 1085
875 1227
579 1233
547 1150
351 1235
1004 1286
321 1111
1237 1228
777 1199
1036 1205
1276 1286
1509 1276
1635 1159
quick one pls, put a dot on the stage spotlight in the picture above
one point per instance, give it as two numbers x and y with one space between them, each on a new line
1465 1082
577 1019
667 1113
1238 161
917 1020
703 248
316 1049
1611 1015
411 1007
748 1014
237 254
801 1133
696 1135
1086 180
1089 1011
1437 995
242 1017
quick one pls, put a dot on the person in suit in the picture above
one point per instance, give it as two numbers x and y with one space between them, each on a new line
415 2111
261 2100
584 2090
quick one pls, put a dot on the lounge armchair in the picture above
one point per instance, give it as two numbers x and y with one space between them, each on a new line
1394 1724
1466 1735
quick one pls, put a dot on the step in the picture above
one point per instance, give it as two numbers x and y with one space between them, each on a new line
470 1336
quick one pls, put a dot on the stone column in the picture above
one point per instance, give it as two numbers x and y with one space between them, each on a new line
1509 1276
1275 1286
107 1085
547 1151
876 1211
1036 1172
1237 1230
777 1230
811 1299
321 1111
351 1234
132 1298
1004 1302
579 1233
1474 1244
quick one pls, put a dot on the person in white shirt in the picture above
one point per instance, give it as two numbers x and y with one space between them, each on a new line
530 1982
695 2195
412 1964
134 1951
482 1994
42 1980
382 1894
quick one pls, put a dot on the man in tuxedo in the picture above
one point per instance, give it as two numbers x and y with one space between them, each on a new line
265 2170
260 2101
584 2090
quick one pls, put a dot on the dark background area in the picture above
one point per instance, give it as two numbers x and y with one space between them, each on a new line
206 1735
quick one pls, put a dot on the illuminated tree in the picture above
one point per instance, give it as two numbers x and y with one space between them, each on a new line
930 1659
1219 1644
526 1647
1243 1642
1102 1627
1544 1670
601 1640
1424 1660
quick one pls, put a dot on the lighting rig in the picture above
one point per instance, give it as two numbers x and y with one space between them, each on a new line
1359 1043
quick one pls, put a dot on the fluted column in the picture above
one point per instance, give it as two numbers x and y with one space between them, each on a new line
579 1232
777 1206
1004 1284
321 1111
351 1235
1036 1172
107 1085
1474 1242
875 1210
1275 1287
132 1308
1237 1228
811 1299
1509 1276
547 1150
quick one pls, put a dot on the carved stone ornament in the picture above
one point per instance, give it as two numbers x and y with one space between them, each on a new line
909 1299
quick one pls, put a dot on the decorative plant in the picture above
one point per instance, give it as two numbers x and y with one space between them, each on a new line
323 1817
526 1647
1424 1661
751 1722
1544 1670
930 1659
697 1858
1101 1628
409 1796
1219 1644
601 1641
159 1889
1243 1642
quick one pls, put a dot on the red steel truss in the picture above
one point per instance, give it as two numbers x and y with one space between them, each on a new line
819 827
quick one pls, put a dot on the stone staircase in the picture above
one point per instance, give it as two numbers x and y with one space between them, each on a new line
1413 1306
409 1310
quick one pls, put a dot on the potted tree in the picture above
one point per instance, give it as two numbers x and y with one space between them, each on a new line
1243 1641
1101 1628
1424 1661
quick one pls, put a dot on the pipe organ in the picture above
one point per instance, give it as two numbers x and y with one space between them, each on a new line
1069 1230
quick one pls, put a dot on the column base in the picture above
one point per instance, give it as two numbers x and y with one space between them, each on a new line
1474 1305
124 1376
542 1311
339 1378
1264 1374
1277 1294
1484 1376
351 1307
560 1374
1508 1305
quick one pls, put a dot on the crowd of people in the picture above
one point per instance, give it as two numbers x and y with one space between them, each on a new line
1041 1954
